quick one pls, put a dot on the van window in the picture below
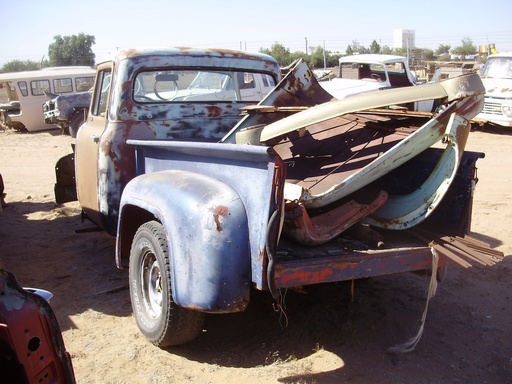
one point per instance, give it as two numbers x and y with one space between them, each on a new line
38 87
22 85
62 85
84 83
4 96
7 92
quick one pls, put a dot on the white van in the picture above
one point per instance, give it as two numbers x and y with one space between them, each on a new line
22 94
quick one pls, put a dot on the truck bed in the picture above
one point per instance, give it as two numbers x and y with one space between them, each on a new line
346 257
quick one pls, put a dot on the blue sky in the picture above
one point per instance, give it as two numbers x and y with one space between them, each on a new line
28 27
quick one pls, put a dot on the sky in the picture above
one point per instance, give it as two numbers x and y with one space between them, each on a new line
28 27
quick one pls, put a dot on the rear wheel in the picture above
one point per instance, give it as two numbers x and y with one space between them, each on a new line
159 319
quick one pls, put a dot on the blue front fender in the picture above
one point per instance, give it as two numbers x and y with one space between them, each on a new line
207 234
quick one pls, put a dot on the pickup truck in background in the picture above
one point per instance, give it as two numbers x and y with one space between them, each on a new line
497 78
69 112
206 205
371 72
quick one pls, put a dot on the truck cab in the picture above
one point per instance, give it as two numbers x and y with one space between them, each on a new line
159 94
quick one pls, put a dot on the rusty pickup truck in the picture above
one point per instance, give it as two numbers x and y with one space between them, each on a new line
68 112
214 196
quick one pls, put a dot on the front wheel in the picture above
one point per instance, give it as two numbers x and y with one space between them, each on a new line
76 121
160 320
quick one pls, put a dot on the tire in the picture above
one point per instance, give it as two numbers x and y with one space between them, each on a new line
76 121
159 319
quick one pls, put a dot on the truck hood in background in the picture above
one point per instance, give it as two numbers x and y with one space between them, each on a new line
341 88
498 87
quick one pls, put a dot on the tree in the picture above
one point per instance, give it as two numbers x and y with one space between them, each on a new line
386 50
280 53
356 47
400 52
334 59
442 49
374 47
429 54
18 66
72 50
444 57
467 48
316 58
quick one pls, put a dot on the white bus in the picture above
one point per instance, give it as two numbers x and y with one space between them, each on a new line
22 94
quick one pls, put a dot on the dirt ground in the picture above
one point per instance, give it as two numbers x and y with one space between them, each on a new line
329 338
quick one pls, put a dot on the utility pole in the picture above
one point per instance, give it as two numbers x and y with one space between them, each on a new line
325 60
306 45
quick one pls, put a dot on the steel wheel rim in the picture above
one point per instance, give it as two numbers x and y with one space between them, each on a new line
151 281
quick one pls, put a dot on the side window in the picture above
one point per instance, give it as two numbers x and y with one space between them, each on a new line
396 68
101 91
350 71
268 81
38 87
22 85
4 95
246 80
84 83
62 85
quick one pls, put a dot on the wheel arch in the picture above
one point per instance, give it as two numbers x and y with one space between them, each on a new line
207 232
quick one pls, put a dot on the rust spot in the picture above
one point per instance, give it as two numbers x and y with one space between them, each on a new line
214 111
223 211
219 211
217 222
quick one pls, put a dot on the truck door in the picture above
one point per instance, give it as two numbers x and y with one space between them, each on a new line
87 149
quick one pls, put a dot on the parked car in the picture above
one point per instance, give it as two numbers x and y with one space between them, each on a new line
32 349
372 72
3 204
497 78
68 112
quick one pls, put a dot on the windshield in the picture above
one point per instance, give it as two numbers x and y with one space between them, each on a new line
498 67
203 85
